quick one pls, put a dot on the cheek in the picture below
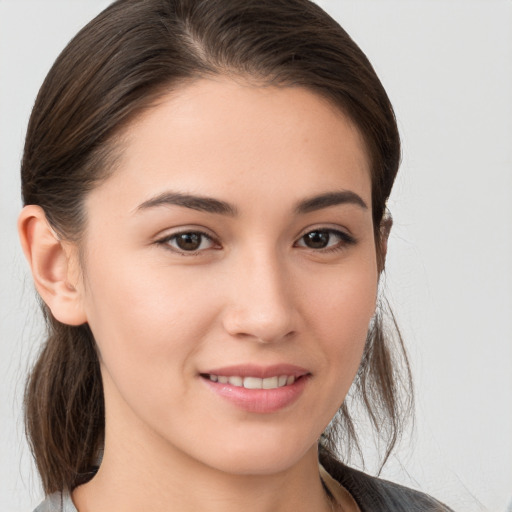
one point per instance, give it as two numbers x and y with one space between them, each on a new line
344 302
341 310
126 296
340 305
147 330
146 322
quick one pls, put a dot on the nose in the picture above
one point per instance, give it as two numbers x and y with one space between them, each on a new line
261 305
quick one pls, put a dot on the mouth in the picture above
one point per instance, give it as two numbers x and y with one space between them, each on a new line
251 382
258 389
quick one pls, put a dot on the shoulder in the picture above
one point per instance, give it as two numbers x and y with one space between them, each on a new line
377 495
57 502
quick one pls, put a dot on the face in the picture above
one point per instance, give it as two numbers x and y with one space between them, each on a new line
230 274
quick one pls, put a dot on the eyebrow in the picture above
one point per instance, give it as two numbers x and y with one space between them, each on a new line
200 203
217 206
329 199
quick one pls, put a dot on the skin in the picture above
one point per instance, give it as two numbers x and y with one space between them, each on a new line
255 292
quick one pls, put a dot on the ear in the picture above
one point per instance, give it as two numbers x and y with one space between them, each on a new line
54 266
385 229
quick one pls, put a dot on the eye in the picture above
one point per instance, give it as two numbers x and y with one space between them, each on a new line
188 242
325 239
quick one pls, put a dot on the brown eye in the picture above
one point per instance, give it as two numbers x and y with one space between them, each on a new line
325 239
188 241
317 239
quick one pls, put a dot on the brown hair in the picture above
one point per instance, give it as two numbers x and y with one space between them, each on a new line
118 65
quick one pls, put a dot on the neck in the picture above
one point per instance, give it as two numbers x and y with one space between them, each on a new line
130 484
143 472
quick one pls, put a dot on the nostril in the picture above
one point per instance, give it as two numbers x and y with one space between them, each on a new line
284 337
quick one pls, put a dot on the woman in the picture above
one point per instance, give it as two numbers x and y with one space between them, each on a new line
205 186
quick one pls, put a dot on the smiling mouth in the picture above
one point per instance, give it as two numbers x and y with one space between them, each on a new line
258 389
277 381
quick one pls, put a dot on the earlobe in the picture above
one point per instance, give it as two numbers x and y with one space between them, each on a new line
53 265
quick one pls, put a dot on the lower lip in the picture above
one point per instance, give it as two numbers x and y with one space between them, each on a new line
261 401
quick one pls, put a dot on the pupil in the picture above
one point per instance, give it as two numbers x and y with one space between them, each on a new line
189 241
317 239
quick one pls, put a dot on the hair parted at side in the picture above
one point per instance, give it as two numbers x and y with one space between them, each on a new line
118 65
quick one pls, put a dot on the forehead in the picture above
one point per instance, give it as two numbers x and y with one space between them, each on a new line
221 132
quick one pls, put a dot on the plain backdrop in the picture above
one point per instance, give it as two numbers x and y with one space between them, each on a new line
447 66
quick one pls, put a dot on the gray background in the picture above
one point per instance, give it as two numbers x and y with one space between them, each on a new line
447 66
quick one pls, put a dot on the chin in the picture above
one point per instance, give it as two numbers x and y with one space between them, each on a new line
262 456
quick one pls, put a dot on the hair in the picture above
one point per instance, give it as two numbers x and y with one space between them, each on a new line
117 66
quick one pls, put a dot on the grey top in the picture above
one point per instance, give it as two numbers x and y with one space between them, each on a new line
57 502
371 494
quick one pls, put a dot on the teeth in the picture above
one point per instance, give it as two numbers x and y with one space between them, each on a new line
270 383
236 381
254 382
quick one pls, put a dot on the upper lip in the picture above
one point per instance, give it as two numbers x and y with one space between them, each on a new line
252 370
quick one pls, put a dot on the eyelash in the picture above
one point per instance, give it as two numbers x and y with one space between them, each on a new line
167 239
344 240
